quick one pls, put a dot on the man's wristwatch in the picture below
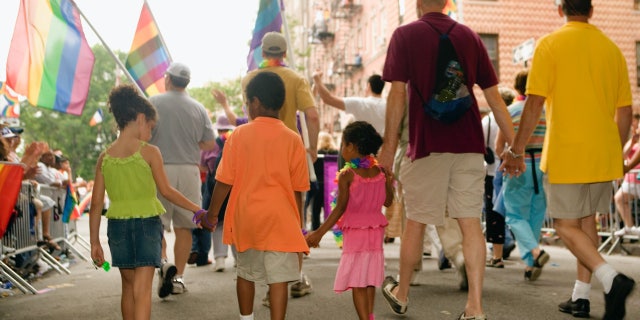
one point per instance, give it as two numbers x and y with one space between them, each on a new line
513 154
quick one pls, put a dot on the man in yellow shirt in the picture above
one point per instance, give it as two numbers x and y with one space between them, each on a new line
582 76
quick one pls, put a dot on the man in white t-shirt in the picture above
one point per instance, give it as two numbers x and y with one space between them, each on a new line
371 108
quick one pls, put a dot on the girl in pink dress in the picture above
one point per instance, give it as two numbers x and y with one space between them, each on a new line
363 188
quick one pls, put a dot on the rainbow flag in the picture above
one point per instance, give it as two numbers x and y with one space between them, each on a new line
84 203
269 19
10 183
70 209
50 61
451 9
148 57
9 104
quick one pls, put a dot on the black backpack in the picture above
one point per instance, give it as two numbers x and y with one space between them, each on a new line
450 99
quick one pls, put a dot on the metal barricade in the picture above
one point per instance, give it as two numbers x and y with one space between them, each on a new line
610 223
18 239
22 236
64 233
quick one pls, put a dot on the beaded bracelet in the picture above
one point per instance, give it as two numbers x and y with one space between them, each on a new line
205 221
197 217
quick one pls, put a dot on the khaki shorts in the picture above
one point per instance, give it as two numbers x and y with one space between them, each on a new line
443 182
577 200
186 179
268 266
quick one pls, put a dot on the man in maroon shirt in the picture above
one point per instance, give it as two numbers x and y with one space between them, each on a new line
443 172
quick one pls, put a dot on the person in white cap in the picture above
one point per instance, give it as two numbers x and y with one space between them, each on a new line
182 130
203 238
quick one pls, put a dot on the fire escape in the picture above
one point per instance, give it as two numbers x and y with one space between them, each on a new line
333 29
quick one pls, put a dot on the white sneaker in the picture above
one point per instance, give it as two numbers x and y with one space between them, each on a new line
301 287
178 286
165 277
42 267
265 300
624 231
219 264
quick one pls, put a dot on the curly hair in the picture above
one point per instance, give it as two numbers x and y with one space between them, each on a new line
364 136
126 103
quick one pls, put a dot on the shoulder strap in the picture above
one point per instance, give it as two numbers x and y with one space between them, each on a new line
441 35
438 31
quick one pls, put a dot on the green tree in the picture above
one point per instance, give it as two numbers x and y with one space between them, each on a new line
231 88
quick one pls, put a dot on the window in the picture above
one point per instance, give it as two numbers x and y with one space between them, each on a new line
491 43
382 42
638 64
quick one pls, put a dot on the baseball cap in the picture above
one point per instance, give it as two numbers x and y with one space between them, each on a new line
179 70
274 43
6 133
222 123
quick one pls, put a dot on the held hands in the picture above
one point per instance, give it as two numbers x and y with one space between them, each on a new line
511 165
313 239
203 220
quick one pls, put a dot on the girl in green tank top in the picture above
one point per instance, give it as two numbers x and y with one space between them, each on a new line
131 171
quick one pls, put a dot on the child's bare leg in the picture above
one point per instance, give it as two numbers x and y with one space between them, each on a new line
278 297
361 302
371 296
46 221
38 220
142 283
245 291
126 301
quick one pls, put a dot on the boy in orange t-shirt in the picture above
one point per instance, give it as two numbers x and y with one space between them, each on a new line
264 162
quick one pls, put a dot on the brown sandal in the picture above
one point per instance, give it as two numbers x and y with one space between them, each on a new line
49 243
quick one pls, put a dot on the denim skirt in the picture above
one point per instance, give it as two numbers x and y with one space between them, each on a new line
135 242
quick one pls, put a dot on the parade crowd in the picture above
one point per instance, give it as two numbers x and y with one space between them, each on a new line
426 164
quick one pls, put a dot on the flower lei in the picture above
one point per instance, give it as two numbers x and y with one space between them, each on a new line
271 63
223 137
365 162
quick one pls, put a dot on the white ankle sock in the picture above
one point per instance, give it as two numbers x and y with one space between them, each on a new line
605 273
580 290
249 317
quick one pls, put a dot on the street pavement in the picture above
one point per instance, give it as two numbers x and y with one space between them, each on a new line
88 293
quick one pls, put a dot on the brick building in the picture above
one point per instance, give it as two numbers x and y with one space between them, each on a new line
347 39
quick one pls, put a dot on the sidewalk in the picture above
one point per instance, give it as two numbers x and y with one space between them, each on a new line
94 294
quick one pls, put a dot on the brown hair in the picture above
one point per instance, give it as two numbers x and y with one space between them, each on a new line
126 103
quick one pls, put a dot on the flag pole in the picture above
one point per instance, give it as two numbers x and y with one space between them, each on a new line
303 119
113 55
159 32
460 16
